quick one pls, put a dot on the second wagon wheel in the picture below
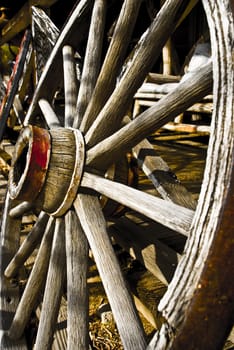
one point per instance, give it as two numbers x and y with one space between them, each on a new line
63 170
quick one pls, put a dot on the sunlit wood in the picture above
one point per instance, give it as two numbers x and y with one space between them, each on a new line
70 85
145 56
164 212
53 289
34 285
77 290
184 95
28 245
92 59
94 225
113 61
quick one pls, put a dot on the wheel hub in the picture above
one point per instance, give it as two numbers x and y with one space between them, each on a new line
47 167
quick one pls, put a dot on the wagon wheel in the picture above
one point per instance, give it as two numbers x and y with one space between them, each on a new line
200 292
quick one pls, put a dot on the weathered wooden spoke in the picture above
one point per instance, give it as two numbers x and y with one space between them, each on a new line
152 207
79 174
93 222
189 91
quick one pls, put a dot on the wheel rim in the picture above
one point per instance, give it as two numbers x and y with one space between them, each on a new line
86 206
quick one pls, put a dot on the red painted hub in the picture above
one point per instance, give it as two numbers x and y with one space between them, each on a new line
29 163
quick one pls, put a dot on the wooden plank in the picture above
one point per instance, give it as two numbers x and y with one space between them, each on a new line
158 258
161 176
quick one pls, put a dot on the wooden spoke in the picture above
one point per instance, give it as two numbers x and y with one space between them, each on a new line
88 188
53 289
77 292
153 40
49 114
20 209
113 61
164 212
28 246
34 285
92 58
51 76
187 92
70 85
92 220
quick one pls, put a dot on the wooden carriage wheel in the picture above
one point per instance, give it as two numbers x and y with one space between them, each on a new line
200 295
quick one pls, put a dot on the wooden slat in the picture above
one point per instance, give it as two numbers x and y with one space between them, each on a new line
161 176
94 225
158 258
191 90
169 214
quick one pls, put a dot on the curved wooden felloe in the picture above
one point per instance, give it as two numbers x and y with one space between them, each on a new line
201 291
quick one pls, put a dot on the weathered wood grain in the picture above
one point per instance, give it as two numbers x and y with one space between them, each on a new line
51 77
150 46
70 85
158 258
53 289
9 296
152 207
113 61
92 59
45 35
28 245
77 289
34 285
92 220
166 183
188 92
200 297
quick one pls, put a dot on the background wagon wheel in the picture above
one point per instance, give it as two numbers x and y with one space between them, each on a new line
199 290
